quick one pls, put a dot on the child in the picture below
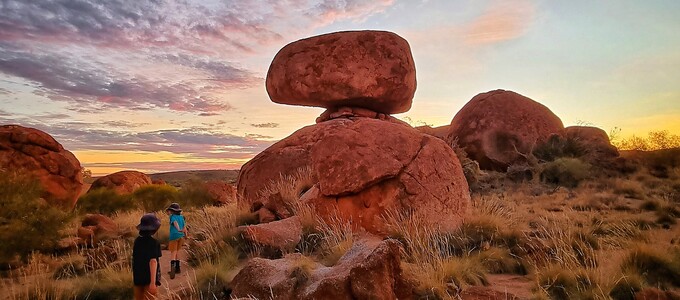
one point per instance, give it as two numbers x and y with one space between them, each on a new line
145 254
177 234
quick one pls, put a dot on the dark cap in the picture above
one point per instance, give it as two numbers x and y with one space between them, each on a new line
149 222
174 207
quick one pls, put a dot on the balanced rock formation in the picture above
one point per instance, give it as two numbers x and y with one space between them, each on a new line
594 142
499 128
363 168
369 270
35 152
221 192
123 182
369 69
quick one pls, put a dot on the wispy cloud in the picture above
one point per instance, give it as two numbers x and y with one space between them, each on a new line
265 125
503 20
149 54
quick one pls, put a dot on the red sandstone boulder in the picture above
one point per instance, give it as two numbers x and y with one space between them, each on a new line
364 168
275 237
369 69
35 152
369 270
593 141
123 182
498 128
96 228
221 192
158 182
439 132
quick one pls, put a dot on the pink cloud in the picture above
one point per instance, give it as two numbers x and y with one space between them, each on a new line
502 21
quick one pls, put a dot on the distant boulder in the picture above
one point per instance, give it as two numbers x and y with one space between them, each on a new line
123 182
96 228
221 192
500 128
594 142
32 151
368 69
439 132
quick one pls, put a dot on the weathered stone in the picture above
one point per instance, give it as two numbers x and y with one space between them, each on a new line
123 182
96 228
369 270
369 69
500 128
276 237
365 168
34 152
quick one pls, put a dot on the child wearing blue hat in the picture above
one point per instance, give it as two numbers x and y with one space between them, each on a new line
145 253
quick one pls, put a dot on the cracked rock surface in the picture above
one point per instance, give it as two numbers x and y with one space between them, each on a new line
364 168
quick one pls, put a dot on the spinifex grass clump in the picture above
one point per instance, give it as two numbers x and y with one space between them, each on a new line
657 267
562 283
567 172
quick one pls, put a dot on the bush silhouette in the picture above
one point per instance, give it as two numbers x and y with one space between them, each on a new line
105 201
567 172
155 197
27 222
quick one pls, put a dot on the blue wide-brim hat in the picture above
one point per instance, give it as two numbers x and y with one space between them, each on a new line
149 222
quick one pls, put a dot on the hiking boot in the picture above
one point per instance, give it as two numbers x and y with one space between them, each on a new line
177 270
172 269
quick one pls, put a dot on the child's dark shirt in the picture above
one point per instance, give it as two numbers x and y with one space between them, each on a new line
144 249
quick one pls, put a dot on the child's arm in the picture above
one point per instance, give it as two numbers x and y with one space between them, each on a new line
174 223
153 264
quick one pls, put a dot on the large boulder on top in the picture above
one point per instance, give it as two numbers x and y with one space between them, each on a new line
123 182
593 141
362 169
369 270
35 152
499 128
369 69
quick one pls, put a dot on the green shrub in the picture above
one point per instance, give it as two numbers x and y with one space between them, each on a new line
567 172
105 201
195 194
155 197
27 223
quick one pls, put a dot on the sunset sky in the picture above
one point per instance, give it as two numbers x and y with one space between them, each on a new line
177 85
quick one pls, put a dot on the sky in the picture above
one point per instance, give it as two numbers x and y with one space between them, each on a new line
155 85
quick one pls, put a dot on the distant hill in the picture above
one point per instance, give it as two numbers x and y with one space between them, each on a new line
180 177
